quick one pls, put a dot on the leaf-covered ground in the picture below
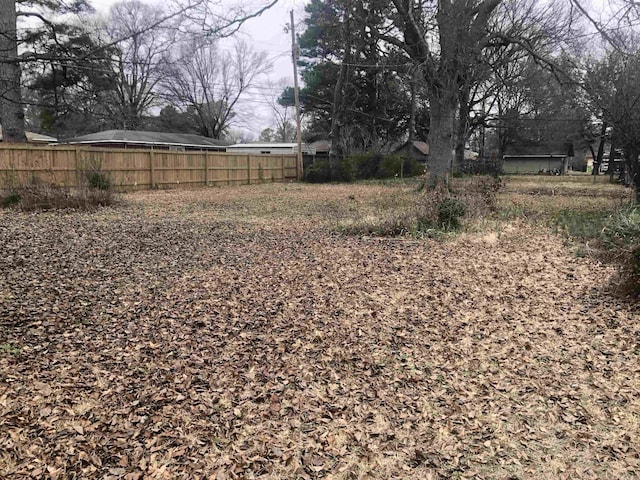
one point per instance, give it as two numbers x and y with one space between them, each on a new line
232 333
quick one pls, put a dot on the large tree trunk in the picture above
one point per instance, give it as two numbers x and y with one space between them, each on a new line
11 112
462 127
441 134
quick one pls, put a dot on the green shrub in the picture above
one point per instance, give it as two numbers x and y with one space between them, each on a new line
98 180
318 172
399 166
449 212
364 165
347 171
9 199
390 166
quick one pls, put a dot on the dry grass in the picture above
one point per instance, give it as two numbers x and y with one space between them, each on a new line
231 333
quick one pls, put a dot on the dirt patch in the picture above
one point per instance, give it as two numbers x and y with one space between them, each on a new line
231 333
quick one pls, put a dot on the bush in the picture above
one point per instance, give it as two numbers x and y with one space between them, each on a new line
621 234
318 172
9 199
449 212
98 180
615 236
364 166
39 196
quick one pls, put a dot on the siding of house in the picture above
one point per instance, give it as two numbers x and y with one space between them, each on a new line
532 164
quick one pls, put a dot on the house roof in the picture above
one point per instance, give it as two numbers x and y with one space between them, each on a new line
147 138
525 150
322 146
422 147
33 137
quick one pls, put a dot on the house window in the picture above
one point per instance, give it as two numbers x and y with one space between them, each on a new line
265 151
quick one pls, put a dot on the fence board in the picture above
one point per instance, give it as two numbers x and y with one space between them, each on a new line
139 169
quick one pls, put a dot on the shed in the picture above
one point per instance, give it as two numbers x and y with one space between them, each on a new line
537 158
271 148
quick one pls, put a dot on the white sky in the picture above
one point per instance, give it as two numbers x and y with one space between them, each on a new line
265 33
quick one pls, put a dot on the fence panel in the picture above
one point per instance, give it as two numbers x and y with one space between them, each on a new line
71 166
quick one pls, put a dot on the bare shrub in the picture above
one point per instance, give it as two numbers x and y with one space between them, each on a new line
435 210
39 196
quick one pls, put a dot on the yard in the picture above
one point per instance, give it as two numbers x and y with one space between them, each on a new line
237 333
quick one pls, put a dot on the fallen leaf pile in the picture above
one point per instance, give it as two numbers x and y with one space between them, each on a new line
190 334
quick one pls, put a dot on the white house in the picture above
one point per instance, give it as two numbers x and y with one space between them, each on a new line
273 148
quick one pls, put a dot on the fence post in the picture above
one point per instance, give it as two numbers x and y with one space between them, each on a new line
76 155
206 169
152 158
283 173
248 169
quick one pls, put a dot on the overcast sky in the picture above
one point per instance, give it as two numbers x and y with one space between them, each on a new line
267 34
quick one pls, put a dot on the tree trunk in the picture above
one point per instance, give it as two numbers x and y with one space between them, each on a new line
597 160
461 133
612 155
632 168
441 135
11 112
336 120
412 115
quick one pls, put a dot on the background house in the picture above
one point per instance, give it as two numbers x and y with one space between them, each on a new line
419 150
155 140
37 138
308 151
322 148
537 158
271 148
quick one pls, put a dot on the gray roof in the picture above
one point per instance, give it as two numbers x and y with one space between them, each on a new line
538 149
147 138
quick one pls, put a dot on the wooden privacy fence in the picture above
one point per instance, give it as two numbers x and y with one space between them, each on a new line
139 169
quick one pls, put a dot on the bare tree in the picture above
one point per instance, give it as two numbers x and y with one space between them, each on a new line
139 59
210 81
282 113
452 42
207 17
614 89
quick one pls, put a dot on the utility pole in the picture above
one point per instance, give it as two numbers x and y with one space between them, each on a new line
294 57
